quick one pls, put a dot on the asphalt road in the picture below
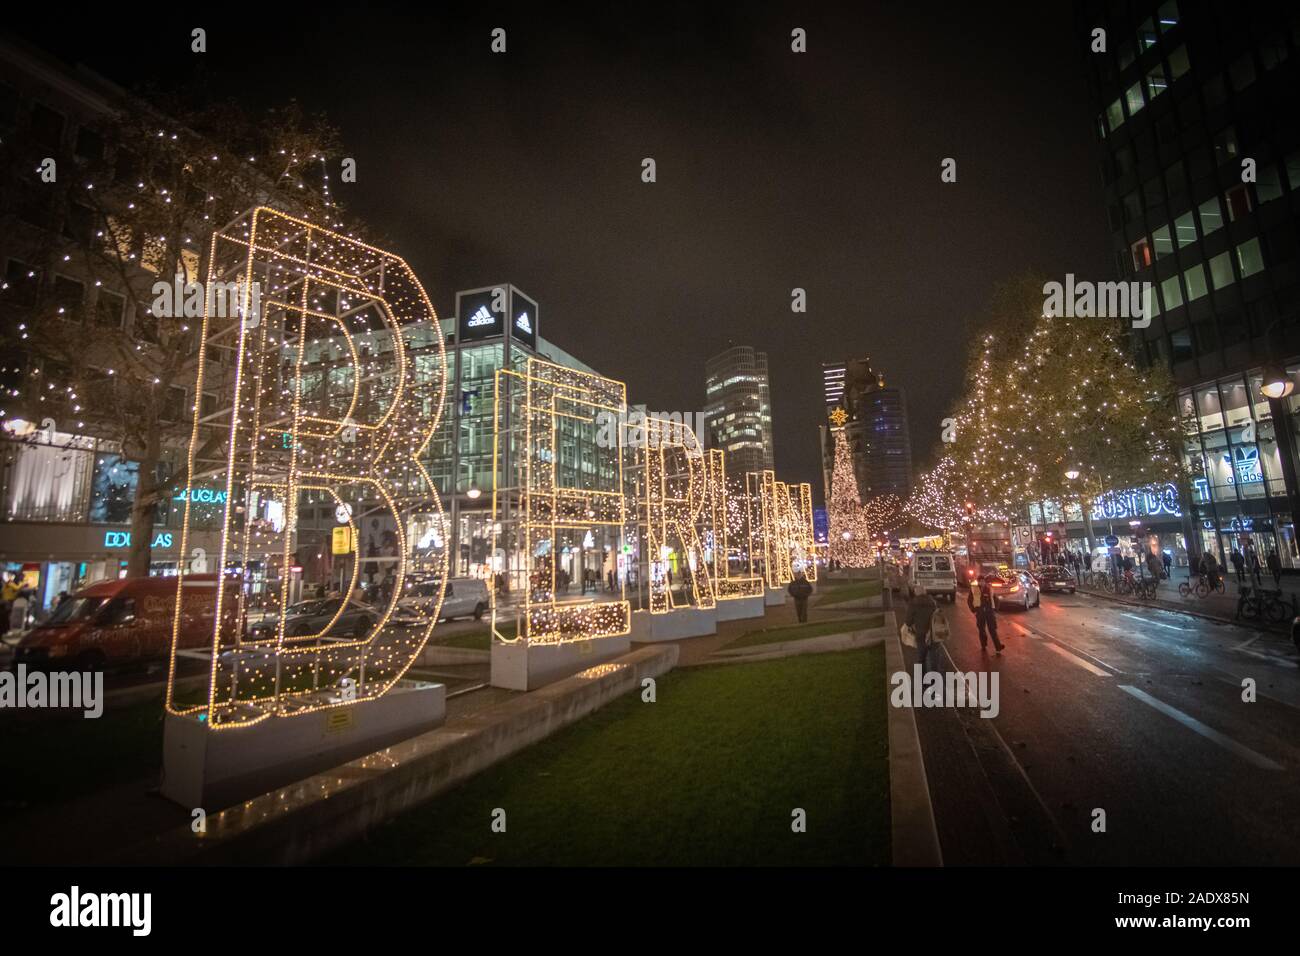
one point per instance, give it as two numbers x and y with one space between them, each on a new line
1135 712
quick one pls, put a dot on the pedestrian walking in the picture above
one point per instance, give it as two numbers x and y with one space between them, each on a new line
1238 564
1275 568
801 590
1167 560
1253 566
980 602
920 616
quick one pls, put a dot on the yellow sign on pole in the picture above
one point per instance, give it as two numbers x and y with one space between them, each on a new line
341 543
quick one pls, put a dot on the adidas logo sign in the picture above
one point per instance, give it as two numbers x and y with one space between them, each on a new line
522 323
481 317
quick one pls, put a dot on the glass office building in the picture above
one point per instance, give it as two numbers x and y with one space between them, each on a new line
1198 123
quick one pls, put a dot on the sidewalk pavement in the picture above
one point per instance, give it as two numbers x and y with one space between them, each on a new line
1219 607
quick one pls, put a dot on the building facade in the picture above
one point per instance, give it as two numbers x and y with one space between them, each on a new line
738 408
1198 122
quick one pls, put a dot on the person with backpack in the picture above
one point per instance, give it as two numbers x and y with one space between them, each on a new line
921 609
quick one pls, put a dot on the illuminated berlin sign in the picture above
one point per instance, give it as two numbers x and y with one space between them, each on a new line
1137 502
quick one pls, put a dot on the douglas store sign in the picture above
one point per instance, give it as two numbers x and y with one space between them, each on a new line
1157 501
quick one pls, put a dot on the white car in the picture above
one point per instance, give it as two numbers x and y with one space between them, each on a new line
1016 589
465 597
934 572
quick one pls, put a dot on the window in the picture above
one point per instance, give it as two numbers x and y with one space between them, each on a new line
1249 258
1238 201
1125 162
118 611
69 298
1163 244
1181 340
90 145
112 489
1221 271
1179 64
47 126
1141 251
1147 35
1242 72
1157 83
1268 184
1170 293
1133 96
1225 146
1132 208
1206 338
1194 279
79 223
1185 230
22 281
1114 116
1153 192
110 308
1167 16
1211 214
1272 51
1175 179
1232 327
1101 126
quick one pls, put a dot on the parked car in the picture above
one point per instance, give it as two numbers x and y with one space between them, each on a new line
465 597
935 573
312 617
124 621
1054 577
1014 589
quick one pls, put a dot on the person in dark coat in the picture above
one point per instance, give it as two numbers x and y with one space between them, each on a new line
1275 568
920 616
1168 560
980 601
1239 565
800 590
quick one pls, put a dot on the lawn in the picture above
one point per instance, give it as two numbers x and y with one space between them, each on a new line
843 593
479 640
801 632
47 759
707 775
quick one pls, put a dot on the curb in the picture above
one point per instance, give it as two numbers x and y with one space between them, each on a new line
826 643
915 836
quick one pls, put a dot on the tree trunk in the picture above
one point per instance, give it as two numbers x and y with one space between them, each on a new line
142 513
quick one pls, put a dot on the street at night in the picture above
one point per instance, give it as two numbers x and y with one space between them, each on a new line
847 453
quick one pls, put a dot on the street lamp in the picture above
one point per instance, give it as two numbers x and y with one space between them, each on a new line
1276 383
473 492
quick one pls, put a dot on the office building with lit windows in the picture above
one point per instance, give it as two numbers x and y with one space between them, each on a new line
738 408
1198 122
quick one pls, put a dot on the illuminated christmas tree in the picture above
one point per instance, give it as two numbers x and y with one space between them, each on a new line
850 529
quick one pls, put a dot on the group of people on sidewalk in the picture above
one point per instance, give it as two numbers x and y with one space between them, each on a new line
921 609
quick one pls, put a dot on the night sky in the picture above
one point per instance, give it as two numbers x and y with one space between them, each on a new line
775 170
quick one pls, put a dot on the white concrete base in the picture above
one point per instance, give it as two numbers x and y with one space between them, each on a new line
774 597
740 609
675 625
521 666
214 769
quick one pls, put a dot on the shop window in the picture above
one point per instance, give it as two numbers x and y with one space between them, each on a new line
1157 82
1179 64
1185 230
1238 202
47 482
1141 251
1249 258
1211 214
1221 271
1133 99
1194 279
1162 242
1170 294
1268 184
1242 72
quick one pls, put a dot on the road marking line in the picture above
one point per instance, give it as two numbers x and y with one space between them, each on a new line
1137 617
1209 733
1249 641
1086 665
1069 649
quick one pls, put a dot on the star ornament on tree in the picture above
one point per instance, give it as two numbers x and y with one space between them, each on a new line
839 417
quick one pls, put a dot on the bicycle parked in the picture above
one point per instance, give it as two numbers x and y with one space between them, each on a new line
1266 605
1202 587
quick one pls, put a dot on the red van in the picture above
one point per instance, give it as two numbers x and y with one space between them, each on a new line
125 621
